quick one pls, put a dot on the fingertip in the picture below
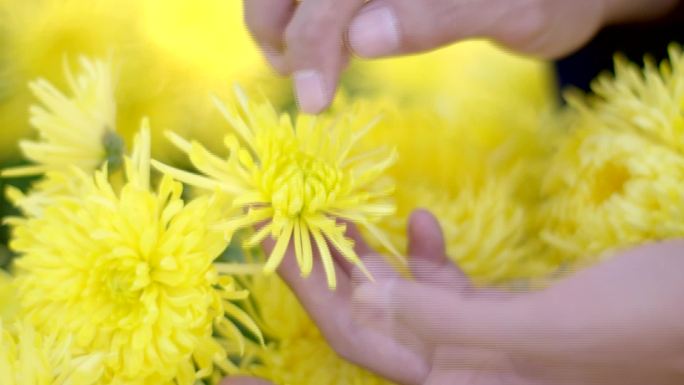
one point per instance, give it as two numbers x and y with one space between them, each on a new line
312 92
425 237
423 217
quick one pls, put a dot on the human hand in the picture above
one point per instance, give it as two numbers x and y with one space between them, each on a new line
619 323
396 359
313 39
616 323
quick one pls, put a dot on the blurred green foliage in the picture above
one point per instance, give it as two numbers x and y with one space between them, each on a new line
6 209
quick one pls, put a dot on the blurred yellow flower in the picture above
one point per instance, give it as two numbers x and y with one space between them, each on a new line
131 273
37 35
296 353
648 101
490 232
297 179
168 54
77 130
45 191
615 182
76 133
608 190
479 174
9 302
462 78
29 358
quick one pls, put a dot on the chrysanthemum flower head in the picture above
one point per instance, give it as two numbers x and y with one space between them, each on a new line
616 180
608 190
37 34
648 101
9 302
296 179
479 176
296 352
30 358
77 130
490 231
131 273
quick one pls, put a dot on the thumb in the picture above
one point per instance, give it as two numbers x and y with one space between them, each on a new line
545 28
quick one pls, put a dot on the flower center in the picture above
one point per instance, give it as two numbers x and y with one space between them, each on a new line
609 180
303 184
124 278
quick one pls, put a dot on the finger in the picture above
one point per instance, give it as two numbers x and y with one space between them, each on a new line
425 237
267 20
244 381
291 272
373 263
395 27
361 248
331 311
428 260
443 317
316 52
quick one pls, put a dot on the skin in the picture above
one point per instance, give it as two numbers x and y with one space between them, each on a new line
312 40
618 323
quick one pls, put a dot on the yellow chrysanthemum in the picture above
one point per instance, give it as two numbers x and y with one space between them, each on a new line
9 303
616 180
607 190
169 55
45 191
131 273
480 175
648 101
490 232
298 178
297 353
77 130
29 358
37 34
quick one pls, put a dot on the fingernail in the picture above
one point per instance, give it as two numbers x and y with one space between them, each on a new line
310 91
374 32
